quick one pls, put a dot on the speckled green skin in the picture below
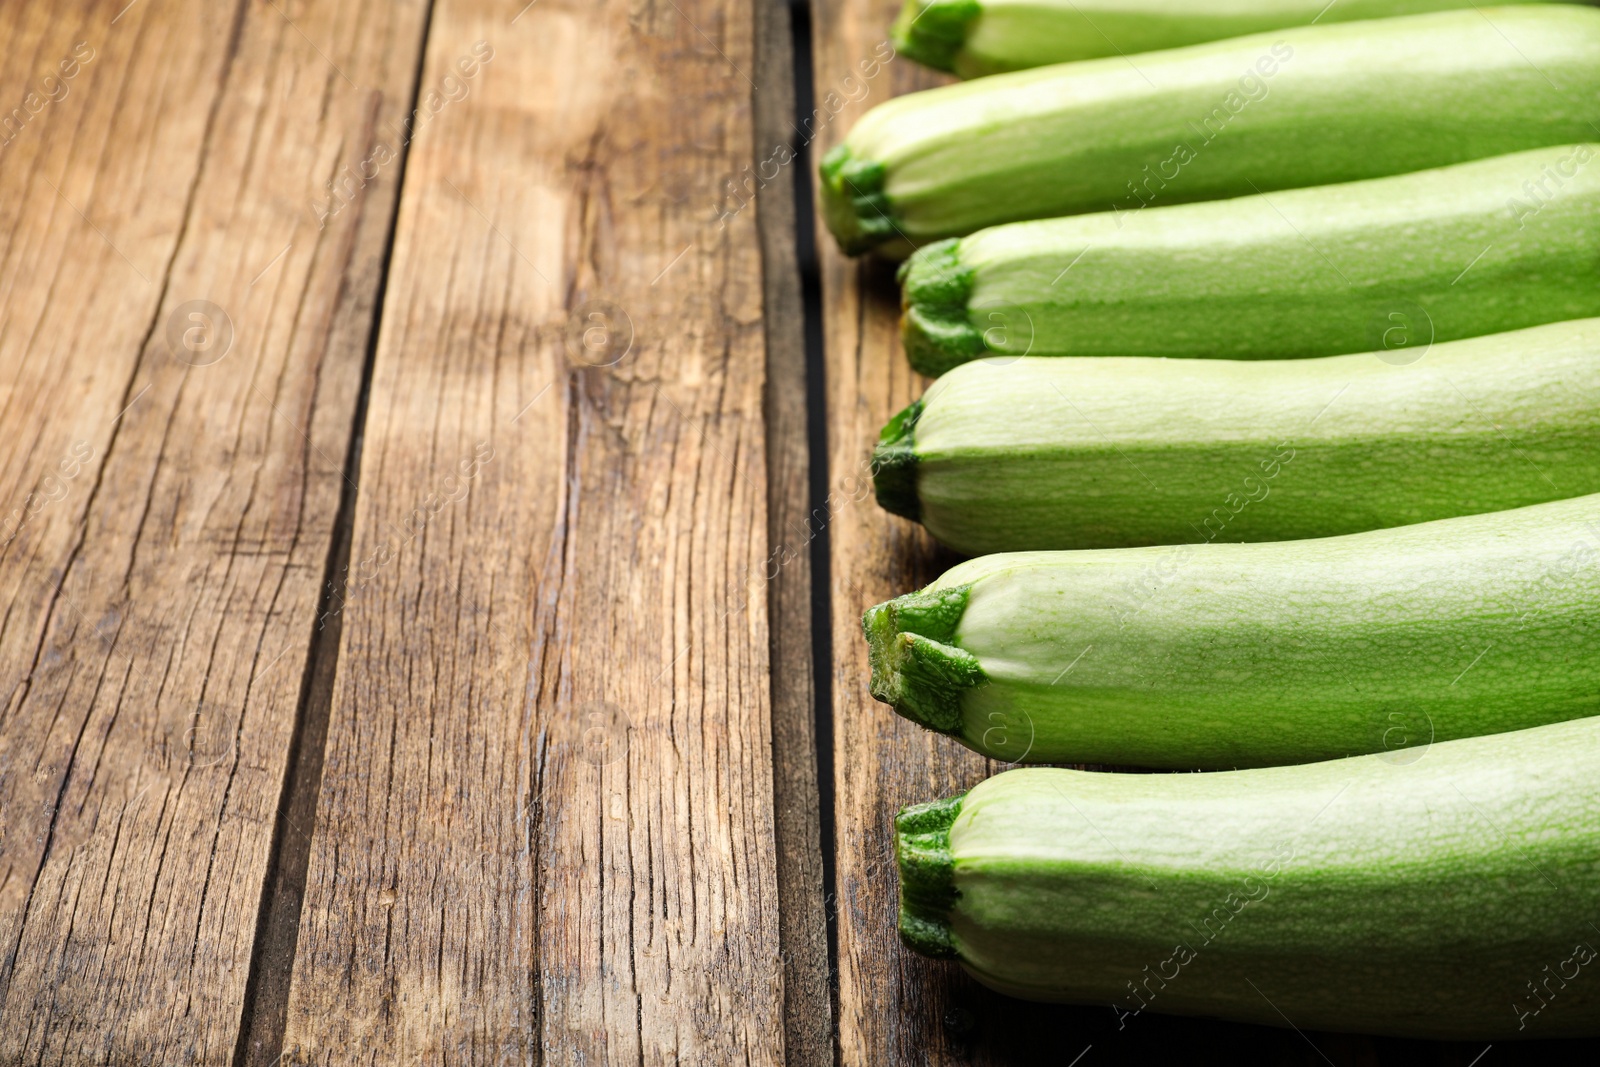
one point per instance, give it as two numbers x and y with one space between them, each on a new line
1236 655
977 37
1105 453
1414 899
1342 103
1444 254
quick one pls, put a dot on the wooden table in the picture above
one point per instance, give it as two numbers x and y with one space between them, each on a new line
415 526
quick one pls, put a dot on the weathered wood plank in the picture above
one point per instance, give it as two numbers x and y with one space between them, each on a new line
545 828
791 531
891 1003
174 481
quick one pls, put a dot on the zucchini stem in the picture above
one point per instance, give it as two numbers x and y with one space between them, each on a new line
933 31
927 876
894 465
934 322
915 668
853 201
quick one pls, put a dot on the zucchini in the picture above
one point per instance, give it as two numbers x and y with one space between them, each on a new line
1453 898
1304 106
1103 453
976 37
1217 655
1443 254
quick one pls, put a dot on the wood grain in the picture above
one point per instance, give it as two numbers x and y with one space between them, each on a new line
171 492
545 828
791 531
891 1003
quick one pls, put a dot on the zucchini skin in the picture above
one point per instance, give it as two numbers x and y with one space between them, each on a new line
1448 253
1105 453
1215 656
972 38
1229 118
1450 898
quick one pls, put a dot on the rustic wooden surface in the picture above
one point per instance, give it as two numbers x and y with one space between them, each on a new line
410 659
793 534
161 597
545 826
892 1004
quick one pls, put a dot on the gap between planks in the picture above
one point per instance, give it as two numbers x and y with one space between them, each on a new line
796 460
266 1002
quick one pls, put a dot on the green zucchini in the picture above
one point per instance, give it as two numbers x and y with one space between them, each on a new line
976 37
1477 248
1300 107
1103 453
1456 897
1217 655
